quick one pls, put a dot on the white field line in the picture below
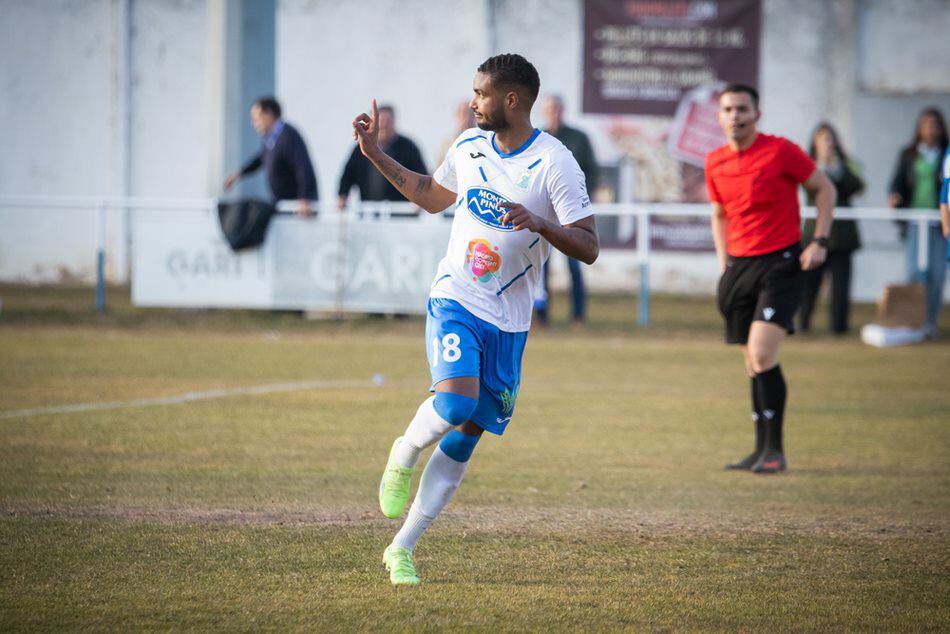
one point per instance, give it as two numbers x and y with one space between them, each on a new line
187 397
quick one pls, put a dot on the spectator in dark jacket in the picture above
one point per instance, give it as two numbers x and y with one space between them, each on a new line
360 173
283 155
579 145
843 240
916 185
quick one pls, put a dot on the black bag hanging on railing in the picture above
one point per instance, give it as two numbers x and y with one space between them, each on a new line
244 222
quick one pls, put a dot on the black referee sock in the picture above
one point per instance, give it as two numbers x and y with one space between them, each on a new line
772 392
757 417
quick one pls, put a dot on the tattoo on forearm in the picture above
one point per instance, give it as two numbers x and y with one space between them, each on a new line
423 186
393 173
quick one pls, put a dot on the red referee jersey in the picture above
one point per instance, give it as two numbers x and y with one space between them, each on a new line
758 189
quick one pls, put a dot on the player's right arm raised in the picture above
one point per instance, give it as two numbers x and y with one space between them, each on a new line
418 188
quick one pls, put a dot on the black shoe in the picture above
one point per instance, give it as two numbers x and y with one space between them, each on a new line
745 464
770 462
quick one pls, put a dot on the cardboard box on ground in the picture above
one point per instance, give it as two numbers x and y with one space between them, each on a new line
902 306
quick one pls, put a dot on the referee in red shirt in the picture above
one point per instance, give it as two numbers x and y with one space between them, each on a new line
753 186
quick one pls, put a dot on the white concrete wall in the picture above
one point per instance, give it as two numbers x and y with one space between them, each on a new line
169 109
867 65
60 108
57 78
334 57
903 46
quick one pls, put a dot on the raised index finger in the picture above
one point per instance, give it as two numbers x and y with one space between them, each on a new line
375 112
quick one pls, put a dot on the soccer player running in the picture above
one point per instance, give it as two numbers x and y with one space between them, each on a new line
753 186
517 192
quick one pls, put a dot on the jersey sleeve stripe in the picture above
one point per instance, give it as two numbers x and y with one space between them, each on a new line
534 165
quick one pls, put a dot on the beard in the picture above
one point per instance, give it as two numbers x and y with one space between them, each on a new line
493 121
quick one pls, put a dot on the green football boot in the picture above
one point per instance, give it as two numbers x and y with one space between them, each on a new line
394 487
402 570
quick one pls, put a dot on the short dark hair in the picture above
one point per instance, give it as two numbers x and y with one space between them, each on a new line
513 69
269 104
749 90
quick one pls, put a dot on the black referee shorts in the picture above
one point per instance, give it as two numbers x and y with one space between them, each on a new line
765 287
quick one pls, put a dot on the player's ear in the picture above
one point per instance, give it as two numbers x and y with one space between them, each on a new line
511 100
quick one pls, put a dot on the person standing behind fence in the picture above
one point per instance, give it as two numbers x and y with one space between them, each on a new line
753 186
916 185
579 145
284 157
360 173
843 241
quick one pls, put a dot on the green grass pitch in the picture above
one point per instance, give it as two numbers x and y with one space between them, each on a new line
604 507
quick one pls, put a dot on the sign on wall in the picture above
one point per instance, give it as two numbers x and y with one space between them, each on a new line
182 260
656 68
643 56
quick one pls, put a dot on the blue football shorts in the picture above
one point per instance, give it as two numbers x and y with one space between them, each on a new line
460 344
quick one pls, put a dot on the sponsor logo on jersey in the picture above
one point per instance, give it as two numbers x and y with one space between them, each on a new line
483 259
476 155
483 205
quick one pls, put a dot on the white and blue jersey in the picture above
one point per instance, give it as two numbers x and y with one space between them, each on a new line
481 299
490 269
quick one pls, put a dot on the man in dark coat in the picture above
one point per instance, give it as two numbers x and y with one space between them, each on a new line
360 173
579 145
284 157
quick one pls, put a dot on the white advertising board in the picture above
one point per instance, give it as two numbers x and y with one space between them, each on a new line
333 263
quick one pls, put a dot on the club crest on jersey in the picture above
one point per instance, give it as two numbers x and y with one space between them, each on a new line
524 181
483 205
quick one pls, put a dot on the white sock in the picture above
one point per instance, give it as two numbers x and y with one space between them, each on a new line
426 428
440 479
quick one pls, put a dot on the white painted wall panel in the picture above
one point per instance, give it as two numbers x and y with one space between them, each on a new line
334 57
903 45
851 61
169 99
58 97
